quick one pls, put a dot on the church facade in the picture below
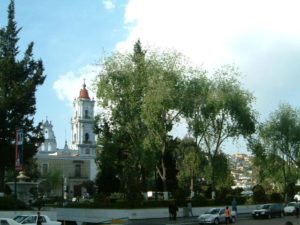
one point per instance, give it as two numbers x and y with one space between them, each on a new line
75 163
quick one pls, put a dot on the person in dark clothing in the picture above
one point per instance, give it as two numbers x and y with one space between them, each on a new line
174 210
171 211
234 205
297 210
39 219
190 207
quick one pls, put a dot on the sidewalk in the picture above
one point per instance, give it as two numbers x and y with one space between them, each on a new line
179 221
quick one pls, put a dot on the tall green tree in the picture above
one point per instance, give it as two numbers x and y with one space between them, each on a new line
219 110
120 90
109 159
19 79
191 163
163 104
142 92
277 143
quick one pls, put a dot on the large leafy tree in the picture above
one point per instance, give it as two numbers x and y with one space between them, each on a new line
191 162
120 90
276 148
142 92
218 109
109 159
162 105
19 79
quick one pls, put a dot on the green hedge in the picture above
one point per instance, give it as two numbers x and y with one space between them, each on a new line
11 203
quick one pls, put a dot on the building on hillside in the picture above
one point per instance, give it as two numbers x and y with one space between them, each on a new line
76 163
241 170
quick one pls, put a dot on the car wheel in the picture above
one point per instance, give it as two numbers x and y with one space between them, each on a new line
216 221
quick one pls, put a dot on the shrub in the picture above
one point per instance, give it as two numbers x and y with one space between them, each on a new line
259 194
276 197
180 195
291 190
11 203
200 200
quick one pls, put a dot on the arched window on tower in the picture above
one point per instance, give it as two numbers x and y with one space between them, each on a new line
46 134
86 114
86 137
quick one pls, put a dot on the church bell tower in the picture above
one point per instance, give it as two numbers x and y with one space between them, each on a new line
82 123
49 144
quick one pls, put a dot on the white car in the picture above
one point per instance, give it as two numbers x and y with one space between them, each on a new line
8 221
290 208
215 216
31 220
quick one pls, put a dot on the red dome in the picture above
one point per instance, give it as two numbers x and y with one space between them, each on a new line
84 93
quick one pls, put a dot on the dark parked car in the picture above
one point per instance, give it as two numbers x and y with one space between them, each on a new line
268 211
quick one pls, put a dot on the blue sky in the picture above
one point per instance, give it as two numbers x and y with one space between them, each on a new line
262 38
68 35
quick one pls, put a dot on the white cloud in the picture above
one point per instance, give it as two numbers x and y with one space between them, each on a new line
261 37
258 36
204 30
108 4
68 85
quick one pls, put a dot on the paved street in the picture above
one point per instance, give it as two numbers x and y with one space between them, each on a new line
243 220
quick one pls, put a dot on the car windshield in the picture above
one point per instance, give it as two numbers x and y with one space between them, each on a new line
292 204
263 206
19 219
213 211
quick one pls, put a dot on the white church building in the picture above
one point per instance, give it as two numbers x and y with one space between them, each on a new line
75 163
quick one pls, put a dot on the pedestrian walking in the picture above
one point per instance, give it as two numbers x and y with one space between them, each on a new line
190 208
175 209
234 205
170 211
227 215
39 219
297 211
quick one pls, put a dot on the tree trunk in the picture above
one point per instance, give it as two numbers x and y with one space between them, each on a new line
163 175
192 185
213 180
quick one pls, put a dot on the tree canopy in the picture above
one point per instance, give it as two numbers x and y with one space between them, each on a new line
19 79
218 109
146 93
276 148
